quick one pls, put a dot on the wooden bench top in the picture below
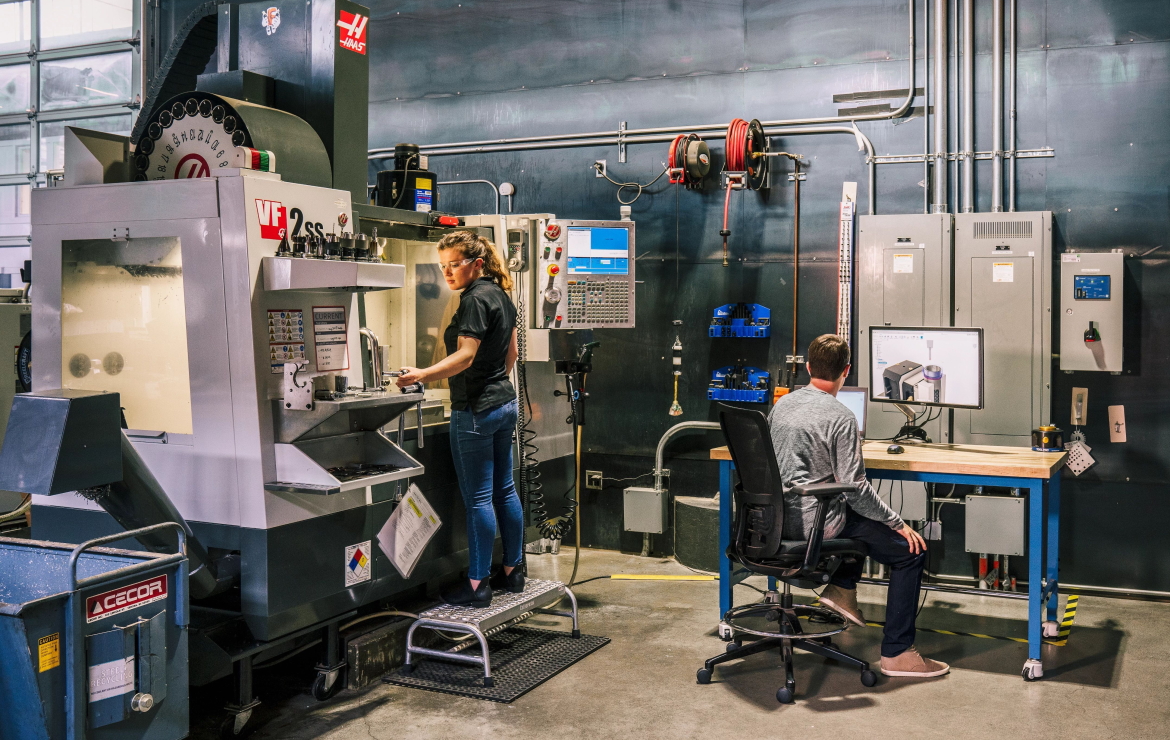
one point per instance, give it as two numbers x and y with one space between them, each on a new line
1008 462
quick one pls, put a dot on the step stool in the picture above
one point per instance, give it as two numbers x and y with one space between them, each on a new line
506 610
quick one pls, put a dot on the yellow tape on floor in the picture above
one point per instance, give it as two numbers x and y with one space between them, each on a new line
633 577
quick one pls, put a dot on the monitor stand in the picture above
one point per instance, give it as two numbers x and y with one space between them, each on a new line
910 430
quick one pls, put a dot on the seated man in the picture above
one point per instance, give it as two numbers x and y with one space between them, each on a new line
816 440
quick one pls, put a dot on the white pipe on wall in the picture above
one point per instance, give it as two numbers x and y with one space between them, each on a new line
997 105
941 108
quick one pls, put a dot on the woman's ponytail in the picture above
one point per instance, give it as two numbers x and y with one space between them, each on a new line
474 246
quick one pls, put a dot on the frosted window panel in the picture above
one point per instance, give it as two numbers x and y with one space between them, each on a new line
84 81
124 328
53 136
15 148
14 210
76 22
15 27
13 89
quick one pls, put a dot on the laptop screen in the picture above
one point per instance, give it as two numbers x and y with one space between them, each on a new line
855 399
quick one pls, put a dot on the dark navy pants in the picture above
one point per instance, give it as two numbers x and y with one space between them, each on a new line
888 548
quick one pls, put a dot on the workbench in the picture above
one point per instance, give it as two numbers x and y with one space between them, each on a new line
1036 473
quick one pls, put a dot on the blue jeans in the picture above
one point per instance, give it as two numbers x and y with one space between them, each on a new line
888 548
481 445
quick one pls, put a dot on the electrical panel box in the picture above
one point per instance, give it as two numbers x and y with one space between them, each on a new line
1003 283
903 279
907 498
584 276
995 524
1092 292
645 510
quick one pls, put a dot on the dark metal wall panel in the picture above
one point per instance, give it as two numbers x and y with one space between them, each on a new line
433 49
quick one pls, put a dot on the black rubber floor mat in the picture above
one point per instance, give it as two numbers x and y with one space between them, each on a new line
522 658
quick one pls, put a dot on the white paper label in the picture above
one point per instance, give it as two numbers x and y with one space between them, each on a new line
330 338
408 530
1003 272
903 263
358 559
1116 423
111 679
1070 258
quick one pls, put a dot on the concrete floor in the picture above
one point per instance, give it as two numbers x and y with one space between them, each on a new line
1112 679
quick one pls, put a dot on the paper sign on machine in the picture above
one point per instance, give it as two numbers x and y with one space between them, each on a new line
408 530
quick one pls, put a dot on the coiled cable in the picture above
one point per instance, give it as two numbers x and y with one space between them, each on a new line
531 489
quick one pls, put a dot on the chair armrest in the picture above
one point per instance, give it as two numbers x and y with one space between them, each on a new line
824 489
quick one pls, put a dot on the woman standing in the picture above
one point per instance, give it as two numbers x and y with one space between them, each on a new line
481 351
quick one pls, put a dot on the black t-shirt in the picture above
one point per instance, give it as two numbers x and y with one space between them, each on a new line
485 313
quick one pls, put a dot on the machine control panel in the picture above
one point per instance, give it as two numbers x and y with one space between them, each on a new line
585 275
1092 311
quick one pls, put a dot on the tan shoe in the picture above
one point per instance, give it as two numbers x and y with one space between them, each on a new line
844 602
910 663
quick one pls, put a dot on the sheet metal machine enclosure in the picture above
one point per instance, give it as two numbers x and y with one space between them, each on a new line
229 474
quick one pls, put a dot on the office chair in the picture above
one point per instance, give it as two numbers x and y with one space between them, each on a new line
758 547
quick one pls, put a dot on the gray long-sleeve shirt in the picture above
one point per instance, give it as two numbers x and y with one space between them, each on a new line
817 441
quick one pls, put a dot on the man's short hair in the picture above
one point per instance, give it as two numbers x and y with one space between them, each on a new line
828 356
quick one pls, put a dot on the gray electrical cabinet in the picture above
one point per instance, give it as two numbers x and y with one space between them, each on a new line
903 279
1092 289
995 524
1003 283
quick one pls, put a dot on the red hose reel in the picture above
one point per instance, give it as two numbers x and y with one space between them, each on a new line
689 161
746 165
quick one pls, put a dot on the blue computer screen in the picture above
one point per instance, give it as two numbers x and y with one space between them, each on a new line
598 250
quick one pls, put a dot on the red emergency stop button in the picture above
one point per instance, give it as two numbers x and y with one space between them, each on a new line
552 231
553 269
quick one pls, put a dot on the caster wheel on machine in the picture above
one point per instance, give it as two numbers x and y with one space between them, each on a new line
703 676
320 693
868 678
1050 629
784 695
1033 670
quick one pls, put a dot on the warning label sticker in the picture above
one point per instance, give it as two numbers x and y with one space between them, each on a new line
903 263
48 652
1003 272
357 563
286 338
125 598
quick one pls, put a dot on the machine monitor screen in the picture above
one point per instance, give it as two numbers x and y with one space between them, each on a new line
599 250
927 366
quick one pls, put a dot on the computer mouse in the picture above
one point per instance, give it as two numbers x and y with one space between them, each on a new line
895 449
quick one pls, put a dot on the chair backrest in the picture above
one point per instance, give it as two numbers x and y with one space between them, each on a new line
759 496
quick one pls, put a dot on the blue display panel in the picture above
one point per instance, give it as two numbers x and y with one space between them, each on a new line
599 250
1091 287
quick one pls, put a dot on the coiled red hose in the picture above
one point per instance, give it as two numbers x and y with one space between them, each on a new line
736 145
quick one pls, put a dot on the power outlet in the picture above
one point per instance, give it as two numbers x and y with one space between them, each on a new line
599 167
593 480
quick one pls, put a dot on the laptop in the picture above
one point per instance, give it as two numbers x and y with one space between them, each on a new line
856 399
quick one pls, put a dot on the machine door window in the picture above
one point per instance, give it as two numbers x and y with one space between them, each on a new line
124 328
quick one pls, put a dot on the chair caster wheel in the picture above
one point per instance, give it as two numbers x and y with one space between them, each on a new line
784 695
733 646
868 678
703 676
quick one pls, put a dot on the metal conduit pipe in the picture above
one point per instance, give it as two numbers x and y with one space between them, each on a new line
681 427
997 106
968 144
941 111
863 142
1012 108
672 131
489 183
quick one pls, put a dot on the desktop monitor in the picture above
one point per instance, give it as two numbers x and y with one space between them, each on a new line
926 366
